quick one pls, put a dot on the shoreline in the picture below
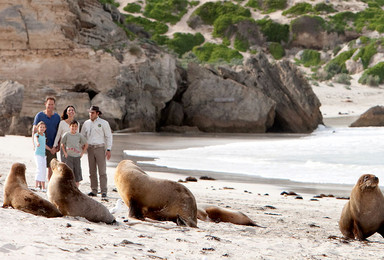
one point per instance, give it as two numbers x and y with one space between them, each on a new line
154 141
294 228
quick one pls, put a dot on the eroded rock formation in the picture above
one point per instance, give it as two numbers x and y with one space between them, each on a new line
74 50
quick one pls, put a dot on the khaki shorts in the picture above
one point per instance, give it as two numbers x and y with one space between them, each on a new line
49 156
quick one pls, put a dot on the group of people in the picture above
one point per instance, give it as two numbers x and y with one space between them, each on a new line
52 133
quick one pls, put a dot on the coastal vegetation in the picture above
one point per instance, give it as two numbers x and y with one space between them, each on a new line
236 31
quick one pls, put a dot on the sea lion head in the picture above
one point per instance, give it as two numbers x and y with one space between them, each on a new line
368 181
61 169
18 172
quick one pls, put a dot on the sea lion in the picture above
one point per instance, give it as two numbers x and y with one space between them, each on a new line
154 198
64 194
18 196
206 212
363 215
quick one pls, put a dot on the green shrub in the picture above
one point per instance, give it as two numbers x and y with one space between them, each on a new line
211 53
365 39
276 50
222 24
253 4
299 9
149 26
132 8
337 65
366 53
166 10
274 32
194 3
160 39
323 7
342 78
340 22
375 73
226 41
336 50
270 6
184 42
370 18
310 58
241 43
210 11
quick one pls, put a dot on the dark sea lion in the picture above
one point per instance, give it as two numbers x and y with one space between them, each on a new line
206 212
64 194
154 198
363 215
18 196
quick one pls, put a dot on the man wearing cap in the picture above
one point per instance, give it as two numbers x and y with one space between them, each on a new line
99 136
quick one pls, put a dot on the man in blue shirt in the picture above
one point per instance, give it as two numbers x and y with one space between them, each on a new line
51 120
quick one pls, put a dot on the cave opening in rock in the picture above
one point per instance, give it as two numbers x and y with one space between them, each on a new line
88 88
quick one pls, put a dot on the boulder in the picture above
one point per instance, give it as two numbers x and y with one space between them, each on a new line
372 117
353 66
297 108
308 32
11 97
214 104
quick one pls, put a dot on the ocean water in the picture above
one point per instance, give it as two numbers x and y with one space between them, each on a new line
328 155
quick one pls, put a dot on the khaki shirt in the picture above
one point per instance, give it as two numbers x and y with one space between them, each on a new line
97 132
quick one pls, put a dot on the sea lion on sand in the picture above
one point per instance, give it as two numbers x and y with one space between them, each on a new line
363 215
154 198
64 194
206 212
18 196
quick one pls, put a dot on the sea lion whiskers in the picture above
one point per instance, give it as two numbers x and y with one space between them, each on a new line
368 181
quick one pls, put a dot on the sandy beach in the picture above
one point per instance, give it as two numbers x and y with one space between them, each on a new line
294 228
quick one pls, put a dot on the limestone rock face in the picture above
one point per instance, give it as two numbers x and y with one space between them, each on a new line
372 117
222 105
73 50
354 67
11 97
297 107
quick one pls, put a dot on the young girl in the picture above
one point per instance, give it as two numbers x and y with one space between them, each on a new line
39 147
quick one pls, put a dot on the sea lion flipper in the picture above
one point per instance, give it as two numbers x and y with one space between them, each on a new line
135 210
357 231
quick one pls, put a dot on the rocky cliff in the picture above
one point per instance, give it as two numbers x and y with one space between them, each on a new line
74 50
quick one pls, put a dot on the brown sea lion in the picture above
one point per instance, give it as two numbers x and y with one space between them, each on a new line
206 212
18 196
154 198
64 194
363 215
